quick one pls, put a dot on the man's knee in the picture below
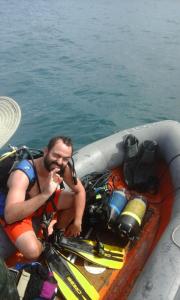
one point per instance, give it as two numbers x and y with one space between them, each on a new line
31 251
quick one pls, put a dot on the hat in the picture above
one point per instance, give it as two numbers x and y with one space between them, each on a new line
10 116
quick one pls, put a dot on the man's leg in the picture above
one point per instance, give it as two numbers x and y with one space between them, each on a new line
21 233
65 206
28 244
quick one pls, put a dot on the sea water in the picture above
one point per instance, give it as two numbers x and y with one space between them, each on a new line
89 68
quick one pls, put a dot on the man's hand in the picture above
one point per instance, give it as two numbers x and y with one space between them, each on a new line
73 229
52 182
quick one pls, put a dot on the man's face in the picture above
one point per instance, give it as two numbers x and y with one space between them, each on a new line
57 157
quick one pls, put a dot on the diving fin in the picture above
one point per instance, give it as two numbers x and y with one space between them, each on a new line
95 252
71 282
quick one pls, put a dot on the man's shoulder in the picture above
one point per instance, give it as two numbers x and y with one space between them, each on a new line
27 168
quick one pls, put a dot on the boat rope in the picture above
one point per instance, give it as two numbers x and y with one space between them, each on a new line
174 236
168 165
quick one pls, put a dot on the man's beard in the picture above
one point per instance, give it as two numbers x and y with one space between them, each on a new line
51 164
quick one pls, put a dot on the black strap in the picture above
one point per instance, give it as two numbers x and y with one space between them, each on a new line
51 199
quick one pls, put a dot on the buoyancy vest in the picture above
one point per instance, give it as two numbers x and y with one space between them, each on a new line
24 166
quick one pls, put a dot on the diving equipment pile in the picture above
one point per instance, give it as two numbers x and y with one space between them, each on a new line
55 271
33 281
70 280
113 210
95 252
122 210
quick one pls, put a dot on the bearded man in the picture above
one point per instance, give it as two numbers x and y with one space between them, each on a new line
26 203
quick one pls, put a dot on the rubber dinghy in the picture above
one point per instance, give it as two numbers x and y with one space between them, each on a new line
152 267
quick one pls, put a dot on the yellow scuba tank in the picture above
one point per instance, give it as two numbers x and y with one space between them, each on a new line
130 220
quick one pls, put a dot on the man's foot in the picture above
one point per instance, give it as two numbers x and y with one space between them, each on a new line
56 236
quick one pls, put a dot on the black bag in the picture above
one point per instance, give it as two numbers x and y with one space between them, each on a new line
35 281
139 167
8 288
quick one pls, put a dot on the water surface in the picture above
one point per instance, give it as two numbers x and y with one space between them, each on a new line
89 68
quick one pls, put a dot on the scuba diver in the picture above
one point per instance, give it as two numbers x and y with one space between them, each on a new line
38 182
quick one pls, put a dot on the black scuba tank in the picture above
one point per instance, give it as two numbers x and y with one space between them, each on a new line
130 220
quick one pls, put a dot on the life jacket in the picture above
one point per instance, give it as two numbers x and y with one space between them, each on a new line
139 166
24 166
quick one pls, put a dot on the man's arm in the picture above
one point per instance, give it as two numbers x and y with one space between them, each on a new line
79 202
16 207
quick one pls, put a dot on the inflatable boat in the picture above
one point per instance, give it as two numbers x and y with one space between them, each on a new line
152 266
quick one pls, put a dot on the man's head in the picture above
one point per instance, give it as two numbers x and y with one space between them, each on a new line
58 153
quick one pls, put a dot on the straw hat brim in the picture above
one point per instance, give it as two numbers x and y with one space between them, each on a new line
10 117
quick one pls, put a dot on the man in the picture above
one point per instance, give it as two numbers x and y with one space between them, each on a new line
20 212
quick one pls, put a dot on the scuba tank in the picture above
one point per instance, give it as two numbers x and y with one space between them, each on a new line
117 202
130 220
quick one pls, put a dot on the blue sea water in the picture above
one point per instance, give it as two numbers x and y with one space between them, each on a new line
89 68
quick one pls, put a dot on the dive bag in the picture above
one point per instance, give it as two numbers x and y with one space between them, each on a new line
8 289
34 281
139 166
